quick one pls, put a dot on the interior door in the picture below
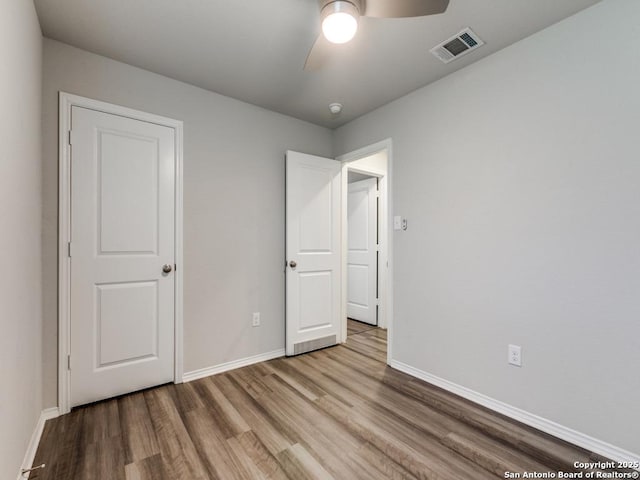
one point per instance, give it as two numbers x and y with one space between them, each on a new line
122 255
362 251
313 275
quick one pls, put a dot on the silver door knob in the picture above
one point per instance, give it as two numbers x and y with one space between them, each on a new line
293 264
166 268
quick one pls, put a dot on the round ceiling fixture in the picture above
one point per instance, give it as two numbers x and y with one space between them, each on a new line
340 21
335 108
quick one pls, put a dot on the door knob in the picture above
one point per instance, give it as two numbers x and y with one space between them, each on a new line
293 264
166 268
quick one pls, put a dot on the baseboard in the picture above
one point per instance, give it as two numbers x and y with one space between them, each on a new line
564 433
30 454
224 367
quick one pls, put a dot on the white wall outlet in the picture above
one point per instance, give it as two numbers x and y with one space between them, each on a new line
515 355
256 319
397 222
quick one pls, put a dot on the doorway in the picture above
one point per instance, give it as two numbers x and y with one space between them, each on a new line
120 251
363 205
316 244
372 164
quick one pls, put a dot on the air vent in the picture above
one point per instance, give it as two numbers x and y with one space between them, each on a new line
457 46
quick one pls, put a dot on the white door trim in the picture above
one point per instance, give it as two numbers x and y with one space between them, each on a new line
386 296
66 101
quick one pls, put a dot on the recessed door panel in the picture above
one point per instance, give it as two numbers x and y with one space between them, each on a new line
358 220
316 222
128 193
126 323
315 289
358 285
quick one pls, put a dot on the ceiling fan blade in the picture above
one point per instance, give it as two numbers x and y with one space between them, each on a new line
318 54
404 8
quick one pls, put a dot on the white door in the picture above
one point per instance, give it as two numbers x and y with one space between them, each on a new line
122 236
312 252
362 251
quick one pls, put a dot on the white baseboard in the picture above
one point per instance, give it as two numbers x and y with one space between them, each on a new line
224 367
572 436
30 454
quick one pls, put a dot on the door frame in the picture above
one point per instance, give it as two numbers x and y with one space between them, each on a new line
385 319
66 102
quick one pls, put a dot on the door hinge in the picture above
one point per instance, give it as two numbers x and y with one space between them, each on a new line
69 249
70 137
68 362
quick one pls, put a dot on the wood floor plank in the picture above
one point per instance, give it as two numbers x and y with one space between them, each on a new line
251 451
263 424
179 455
491 455
366 348
102 459
150 468
138 434
61 448
320 435
185 397
404 445
288 372
300 464
354 327
227 419
104 422
338 413
370 458
210 442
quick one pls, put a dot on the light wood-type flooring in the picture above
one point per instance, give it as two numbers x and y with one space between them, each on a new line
335 413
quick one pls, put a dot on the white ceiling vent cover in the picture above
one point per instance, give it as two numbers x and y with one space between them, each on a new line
460 44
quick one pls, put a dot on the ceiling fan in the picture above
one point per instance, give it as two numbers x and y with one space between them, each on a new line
339 20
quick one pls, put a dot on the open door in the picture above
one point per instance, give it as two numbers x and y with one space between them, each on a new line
313 249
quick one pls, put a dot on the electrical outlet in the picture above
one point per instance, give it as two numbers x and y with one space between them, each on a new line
256 319
515 355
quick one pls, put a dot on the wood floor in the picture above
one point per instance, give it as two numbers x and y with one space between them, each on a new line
336 413
354 327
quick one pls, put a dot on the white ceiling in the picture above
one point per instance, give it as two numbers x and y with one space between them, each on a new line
254 50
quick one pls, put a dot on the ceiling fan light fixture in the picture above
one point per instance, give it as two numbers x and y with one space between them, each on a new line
340 21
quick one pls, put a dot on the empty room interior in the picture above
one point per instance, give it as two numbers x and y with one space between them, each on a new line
316 239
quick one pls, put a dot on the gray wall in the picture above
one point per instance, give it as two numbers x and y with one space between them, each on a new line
233 203
520 178
20 282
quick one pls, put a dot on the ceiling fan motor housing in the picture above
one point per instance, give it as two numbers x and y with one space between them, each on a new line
348 6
